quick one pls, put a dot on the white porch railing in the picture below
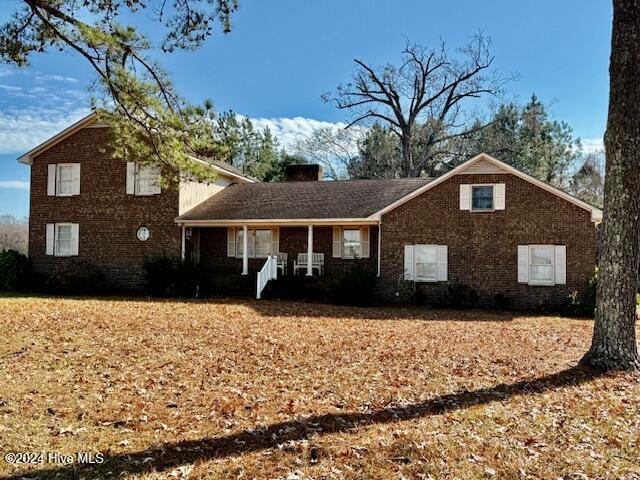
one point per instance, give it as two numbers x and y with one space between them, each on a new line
269 271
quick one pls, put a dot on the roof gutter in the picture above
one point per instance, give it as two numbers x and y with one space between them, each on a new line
291 222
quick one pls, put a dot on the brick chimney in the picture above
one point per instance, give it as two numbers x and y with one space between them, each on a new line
306 172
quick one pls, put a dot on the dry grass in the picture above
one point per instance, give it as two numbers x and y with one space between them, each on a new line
293 391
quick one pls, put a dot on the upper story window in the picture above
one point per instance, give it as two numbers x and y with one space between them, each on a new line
63 179
142 179
482 197
351 243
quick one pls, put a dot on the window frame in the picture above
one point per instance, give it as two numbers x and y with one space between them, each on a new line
252 239
493 198
64 166
355 254
418 278
56 240
550 282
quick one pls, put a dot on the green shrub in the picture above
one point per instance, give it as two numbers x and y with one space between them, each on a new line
355 286
460 296
168 276
77 277
14 270
573 306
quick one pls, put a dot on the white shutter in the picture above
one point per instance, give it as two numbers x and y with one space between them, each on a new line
76 179
75 238
231 242
408 262
465 197
275 241
50 238
523 264
561 264
499 196
51 180
131 178
442 262
364 238
155 188
337 242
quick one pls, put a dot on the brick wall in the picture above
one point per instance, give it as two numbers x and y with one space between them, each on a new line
482 247
108 217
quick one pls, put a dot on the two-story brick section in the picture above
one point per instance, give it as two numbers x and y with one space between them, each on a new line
484 225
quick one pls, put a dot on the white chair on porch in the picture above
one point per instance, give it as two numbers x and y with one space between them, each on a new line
317 263
282 263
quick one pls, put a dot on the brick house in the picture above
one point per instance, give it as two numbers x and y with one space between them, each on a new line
484 224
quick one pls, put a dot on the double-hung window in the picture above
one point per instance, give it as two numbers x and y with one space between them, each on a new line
63 239
263 243
351 243
65 180
426 263
482 198
541 264
259 242
142 180
146 180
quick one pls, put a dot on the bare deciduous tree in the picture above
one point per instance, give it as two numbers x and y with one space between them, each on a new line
429 88
14 234
333 148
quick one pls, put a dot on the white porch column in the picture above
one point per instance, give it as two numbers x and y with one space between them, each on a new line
310 251
184 241
245 250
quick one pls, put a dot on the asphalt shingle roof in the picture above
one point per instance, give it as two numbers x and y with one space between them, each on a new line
300 200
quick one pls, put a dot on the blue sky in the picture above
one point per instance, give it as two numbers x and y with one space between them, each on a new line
283 54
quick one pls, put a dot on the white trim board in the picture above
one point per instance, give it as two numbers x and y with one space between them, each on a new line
596 213
293 222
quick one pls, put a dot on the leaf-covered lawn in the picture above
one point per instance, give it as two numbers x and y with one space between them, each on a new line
267 390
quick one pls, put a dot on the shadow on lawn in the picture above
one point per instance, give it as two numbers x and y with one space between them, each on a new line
171 455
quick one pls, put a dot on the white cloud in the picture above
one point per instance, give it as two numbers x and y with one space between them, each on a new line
9 88
590 145
55 78
23 129
14 184
289 130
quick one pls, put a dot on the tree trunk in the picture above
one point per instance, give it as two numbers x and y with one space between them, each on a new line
614 339
407 155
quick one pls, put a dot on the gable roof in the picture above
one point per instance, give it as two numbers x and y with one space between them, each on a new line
297 201
27 158
90 121
484 161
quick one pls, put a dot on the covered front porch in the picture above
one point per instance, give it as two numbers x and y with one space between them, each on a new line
293 249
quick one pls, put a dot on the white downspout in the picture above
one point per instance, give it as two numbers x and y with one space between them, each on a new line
245 250
310 251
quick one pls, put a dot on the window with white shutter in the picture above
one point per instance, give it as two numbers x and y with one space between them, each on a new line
63 179
483 197
426 263
259 241
542 264
142 180
62 239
